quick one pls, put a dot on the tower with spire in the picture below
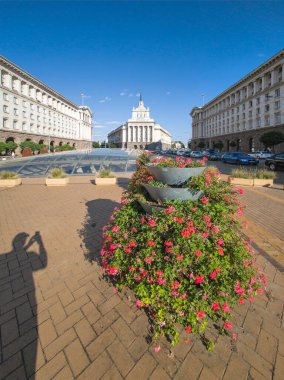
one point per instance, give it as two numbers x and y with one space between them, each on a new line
140 113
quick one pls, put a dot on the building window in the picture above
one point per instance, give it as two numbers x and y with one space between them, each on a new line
267 120
257 100
244 115
16 101
278 118
31 127
266 107
32 106
244 106
250 104
5 109
277 93
16 112
250 113
5 123
24 126
5 97
24 114
258 111
32 116
258 122
24 104
277 105
15 124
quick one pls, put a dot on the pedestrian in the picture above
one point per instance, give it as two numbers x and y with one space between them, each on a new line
13 154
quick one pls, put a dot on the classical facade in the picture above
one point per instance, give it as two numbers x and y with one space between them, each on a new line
30 110
243 112
140 131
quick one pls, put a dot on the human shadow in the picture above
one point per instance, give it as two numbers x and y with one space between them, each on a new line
18 301
98 215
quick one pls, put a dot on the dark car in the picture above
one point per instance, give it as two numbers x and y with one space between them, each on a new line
275 162
214 156
239 159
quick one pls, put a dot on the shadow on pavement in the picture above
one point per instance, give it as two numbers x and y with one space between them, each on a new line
18 300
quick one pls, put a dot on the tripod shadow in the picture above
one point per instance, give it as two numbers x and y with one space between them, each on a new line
19 287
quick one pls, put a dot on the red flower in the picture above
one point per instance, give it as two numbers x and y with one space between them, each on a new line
188 329
161 281
226 308
228 325
148 260
151 243
241 301
112 271
213 275
200 314
240 191
215 306
127 250
168 243
198 253
204 200
151 223
132 244
198 279
115 229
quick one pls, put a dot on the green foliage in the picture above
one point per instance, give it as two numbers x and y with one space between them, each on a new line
9 146
270 139
201 144
187 264
2 147
96 144
58 173
30 144
259 174
64 147
8 175
233 144
178 162
218 145
106 173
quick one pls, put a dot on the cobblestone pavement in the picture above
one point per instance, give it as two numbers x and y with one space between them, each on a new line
60 320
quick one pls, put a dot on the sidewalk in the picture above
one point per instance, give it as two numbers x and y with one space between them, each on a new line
60 320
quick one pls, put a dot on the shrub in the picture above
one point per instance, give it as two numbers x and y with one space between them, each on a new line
178 162
58 173
8 175
29 144
259 174
186 264
106 173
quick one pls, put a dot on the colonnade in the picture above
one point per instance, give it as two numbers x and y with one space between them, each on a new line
139 133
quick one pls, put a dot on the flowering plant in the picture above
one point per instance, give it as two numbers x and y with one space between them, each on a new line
186 263
178 162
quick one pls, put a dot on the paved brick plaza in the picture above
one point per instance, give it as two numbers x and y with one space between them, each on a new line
60 320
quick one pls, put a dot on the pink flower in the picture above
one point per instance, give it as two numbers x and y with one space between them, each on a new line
221 251
115 229
143 220
157 349
159 272
204 200
198 279
188 329
174 293
132 244
213 275
228 325
241 301
151 243
149 260
168 243
184 296
220 241
240 191
161 281
112 271
234 336
198 253
215 229
260 291
151 223
226 308
127 250
139 303
200 314
169 210
215 306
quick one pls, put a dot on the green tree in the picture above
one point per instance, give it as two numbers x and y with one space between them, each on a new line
11 146
218 145
29 144
201 144
270 139
3 147
233 144
189 144
96 144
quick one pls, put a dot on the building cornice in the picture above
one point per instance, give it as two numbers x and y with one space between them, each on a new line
11 66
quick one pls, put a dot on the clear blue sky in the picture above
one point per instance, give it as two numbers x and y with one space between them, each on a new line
173 51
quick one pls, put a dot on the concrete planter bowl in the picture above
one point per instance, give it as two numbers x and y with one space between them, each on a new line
105 181
148 208
174 176
168 193
10 182
57 181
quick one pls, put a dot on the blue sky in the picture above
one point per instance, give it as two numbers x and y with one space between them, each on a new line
173 51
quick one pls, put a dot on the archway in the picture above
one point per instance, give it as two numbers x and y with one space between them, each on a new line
10 139
74 145
238 145
141 147
41 142
228 145
52 143
60 144
28 140
135 146
251 144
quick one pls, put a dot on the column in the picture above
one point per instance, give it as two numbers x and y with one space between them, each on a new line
274 78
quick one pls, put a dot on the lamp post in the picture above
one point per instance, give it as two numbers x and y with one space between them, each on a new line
49 142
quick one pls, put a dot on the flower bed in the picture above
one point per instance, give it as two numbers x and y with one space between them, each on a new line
186 263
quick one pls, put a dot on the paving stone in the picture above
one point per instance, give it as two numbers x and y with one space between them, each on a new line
143 369
10 365
24 312
9 331
19 343
47 333
108 305
69 322
77 358
60 343
121 357
267 346
138 347
106 321
64 374
159 374
18 374
97 368
57 313
191 365
95 348
123 331
52 368
85 332
33 357
237 368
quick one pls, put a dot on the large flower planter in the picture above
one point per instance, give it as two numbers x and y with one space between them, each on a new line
148 208
10 182
56 181
241 181
173 176
105 181
169 193
262 182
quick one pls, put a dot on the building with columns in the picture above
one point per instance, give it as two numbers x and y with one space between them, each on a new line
140 131
30 110
243 112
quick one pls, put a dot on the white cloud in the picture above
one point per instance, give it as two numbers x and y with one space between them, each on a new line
130 95
137 95
105 100
124 92
100 126
168 93
114 122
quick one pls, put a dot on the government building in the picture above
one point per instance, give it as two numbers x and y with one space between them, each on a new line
30 110
243 112
140 131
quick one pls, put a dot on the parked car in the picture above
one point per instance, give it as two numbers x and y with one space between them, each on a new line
240 159
196 154
214 156
275 162
261 154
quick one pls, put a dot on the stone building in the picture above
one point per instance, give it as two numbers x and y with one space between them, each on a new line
140 131
30 110
243 112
